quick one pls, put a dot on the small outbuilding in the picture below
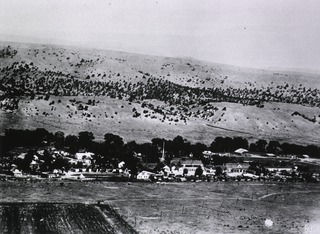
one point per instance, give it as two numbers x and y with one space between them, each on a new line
241 151
208 154
145 175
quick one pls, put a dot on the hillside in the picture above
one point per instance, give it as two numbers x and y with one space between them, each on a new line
141 97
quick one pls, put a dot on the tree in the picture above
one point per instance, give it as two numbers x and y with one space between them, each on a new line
292 148
61 163
130 160
253 147
71 141
113 145
261 145
228 144
239 142
25 165
85 139
198 172
177 146
158 142
218 171
313 151
131 147
48 160
222 144
113 140
59 139
150 151
273 147
41 136
185 171
197 149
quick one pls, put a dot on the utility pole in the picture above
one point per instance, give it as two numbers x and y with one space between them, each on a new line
162 157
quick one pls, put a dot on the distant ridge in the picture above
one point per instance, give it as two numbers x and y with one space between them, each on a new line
296 70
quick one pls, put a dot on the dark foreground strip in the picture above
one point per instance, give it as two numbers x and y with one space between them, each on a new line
118 220
51 218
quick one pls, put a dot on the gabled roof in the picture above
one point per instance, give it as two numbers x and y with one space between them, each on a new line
22 155
241 151
191 162
207 152
146 173
237 165
34 163
175 160
85 154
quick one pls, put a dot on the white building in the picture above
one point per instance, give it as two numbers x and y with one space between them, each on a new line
144 175
236 168
189 167
82 156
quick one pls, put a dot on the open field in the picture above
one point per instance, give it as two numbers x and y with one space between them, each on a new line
208 207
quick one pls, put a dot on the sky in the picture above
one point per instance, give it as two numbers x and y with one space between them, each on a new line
250 33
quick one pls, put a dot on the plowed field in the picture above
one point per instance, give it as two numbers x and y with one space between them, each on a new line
45 218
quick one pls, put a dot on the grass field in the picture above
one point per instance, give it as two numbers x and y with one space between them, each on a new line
274 122
208 207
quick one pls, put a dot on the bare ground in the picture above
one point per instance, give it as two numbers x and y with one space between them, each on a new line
209 207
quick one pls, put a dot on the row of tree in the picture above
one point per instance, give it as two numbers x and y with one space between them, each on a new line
227 144
114 146
22 78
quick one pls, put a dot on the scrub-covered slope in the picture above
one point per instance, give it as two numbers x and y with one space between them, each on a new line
141 97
